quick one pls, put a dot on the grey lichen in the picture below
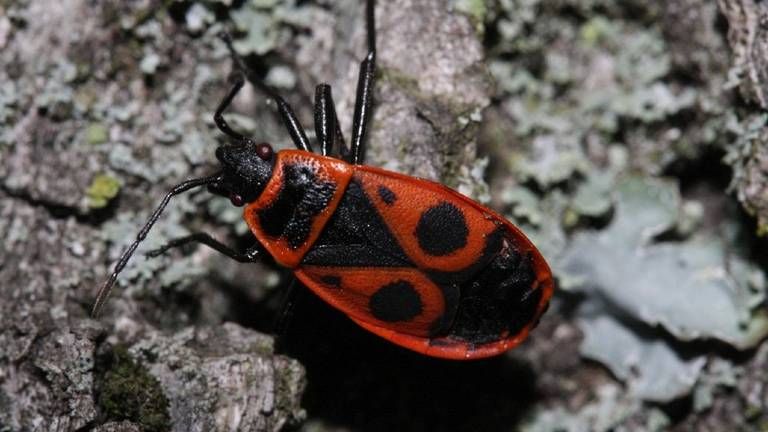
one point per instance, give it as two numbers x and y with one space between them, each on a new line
700 271
653 370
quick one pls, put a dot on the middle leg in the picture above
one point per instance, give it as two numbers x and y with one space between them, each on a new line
327 128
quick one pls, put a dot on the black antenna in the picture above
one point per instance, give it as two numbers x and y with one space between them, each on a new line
106 288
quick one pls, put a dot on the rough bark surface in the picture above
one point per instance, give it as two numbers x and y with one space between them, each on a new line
748 39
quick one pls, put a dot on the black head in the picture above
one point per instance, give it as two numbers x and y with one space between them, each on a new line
246 169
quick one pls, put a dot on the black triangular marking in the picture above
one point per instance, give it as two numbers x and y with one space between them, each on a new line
356 236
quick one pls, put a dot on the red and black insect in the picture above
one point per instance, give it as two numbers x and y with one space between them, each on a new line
407 259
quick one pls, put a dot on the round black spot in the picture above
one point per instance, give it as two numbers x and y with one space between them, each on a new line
387 195
442 229
396 301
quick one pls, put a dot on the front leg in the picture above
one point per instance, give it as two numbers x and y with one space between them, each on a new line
251 255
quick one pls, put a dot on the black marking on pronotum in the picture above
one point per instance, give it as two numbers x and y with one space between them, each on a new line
442 229
356 236
387 195
396 301
331 281
301 198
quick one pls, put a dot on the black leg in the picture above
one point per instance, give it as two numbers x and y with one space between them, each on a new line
288 302
106 288
250 255
364 98
218 116
326 123
341 145
287 115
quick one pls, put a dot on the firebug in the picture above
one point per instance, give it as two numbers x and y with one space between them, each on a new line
405 258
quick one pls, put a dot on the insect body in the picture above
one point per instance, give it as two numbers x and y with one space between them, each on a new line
407 259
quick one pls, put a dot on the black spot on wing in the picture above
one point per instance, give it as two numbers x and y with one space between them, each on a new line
356 236
396 301
387 195
302 197
442 229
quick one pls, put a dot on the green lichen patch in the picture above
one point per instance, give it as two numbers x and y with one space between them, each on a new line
96 133
102 190
127 391
475 9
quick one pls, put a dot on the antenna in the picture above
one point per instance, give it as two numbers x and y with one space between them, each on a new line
106 288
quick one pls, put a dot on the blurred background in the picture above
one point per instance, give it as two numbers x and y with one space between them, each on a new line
626 138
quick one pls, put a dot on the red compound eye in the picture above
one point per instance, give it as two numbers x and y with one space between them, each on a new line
264 151
236 200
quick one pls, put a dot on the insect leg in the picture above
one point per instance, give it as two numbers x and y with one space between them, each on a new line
364 98
291 122
326 123
251 254
218 116
106 288
288 303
